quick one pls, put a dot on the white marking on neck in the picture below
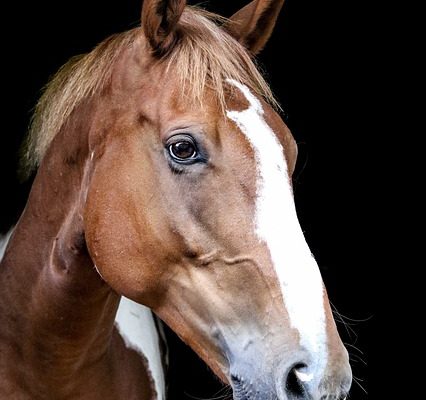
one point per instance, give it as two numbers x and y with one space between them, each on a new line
277 225
4 240
136 326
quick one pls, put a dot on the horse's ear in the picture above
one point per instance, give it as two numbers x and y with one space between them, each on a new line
253 24
159 20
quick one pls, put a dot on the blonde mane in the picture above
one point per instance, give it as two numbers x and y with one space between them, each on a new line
204 57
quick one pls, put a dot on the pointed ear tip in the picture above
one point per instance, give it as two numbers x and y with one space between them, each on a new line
253 24
159 19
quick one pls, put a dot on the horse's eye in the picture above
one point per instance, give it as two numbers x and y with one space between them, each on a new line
182 148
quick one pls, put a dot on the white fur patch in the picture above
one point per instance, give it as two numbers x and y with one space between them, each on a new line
135 324
4 240
277 225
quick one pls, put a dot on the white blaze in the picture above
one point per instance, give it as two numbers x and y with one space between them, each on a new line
278 227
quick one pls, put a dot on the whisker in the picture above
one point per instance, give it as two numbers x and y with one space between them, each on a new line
357 381
366 319
354 347
355 358
336 313
216 396
226 389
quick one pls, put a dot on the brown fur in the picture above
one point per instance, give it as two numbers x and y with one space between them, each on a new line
57 339
203 58
183 244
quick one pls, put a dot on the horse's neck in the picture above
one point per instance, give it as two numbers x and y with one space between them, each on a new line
56 313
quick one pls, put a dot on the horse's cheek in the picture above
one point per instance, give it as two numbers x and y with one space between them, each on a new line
115 247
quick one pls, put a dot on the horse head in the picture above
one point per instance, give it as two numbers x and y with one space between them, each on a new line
190 208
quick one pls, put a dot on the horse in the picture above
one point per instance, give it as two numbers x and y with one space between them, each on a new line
164 180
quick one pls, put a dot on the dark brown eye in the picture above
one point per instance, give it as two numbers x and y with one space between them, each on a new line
183 150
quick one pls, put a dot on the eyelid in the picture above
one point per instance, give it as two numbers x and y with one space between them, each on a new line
183 135
194 130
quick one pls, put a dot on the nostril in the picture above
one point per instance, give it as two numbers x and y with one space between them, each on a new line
294 383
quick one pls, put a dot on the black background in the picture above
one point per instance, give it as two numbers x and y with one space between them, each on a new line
320 63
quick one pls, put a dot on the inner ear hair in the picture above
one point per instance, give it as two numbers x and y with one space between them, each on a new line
159 22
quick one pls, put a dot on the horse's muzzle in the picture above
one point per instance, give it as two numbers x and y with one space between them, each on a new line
292 383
